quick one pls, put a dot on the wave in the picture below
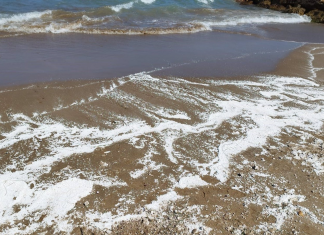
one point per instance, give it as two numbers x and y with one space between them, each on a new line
283 19
119 7
205 1
148 1
78 28
129 5
108 20
6 19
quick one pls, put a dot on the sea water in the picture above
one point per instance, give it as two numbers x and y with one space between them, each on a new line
131 16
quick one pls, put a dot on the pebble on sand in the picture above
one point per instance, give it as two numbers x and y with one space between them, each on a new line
300 213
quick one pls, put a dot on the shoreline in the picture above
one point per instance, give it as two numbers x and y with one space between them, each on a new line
86 57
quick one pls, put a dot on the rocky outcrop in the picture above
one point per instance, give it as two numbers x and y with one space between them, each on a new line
312 8
316 15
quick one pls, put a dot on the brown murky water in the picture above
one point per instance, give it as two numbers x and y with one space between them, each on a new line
43 58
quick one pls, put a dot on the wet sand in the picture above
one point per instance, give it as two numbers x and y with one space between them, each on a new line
145 154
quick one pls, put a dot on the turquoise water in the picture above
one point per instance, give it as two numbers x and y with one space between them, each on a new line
9 6
130 16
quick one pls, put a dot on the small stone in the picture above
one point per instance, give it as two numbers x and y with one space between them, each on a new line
300 213
97 192
272 230
86 203
255 167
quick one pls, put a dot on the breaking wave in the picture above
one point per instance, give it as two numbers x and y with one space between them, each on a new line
284 19
160 20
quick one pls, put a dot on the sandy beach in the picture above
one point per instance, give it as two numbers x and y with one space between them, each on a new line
223 142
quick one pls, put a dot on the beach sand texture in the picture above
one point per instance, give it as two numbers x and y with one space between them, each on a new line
145 154
160 117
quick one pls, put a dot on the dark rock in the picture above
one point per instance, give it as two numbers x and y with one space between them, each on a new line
312 8
245 2
277 7
297 10
265 4
316 15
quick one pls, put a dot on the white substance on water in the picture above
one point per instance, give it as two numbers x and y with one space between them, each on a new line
120 7
272 17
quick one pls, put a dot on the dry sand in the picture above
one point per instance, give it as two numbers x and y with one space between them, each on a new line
149 155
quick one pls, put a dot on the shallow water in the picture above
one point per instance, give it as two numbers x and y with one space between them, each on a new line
67 40
45 58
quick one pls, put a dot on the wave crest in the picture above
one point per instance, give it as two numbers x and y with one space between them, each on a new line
107 20
284 19
6 19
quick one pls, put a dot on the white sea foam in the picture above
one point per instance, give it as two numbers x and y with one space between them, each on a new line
163 199
191 182
54 202
148 1
260 19
43 22
120 7
7 19
60 28
205 1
